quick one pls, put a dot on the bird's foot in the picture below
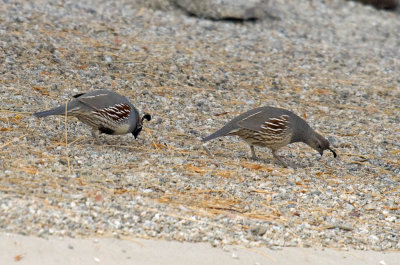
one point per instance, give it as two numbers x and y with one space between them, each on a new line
208 151
255 158
283 163
95 135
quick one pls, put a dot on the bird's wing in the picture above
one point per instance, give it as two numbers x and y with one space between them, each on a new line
265 122
101 99
107 103
268 120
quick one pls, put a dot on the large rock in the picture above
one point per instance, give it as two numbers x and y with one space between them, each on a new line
384 4
225 9
157 4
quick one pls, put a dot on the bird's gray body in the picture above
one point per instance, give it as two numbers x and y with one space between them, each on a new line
273 128
113 113
255 118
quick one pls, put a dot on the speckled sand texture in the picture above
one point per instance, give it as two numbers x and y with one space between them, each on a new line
335 63
31 250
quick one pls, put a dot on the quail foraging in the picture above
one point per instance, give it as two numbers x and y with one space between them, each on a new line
274 128
104 111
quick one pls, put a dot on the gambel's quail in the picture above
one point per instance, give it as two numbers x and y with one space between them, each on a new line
104 111
274 128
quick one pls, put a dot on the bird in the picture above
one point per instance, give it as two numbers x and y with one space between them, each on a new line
273 128
104 111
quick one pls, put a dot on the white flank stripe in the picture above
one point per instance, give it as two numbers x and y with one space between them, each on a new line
112 109
99 95
277 120
270 123
251 116
275 130
114 116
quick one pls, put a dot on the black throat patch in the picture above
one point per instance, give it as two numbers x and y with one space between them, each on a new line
106 130
136 132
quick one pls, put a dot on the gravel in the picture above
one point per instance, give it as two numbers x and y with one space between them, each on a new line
336 63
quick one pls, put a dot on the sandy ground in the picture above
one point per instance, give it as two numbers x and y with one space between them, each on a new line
17 249
335 63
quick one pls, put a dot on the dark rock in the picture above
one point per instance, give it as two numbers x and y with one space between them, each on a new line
225 9
381 4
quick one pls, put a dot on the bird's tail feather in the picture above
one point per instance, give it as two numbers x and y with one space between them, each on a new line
208 138
56 111
217 134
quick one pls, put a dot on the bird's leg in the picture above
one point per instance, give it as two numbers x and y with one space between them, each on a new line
207 151
95 134
274 153
253 152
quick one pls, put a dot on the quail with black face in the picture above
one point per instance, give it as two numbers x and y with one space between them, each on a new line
104 111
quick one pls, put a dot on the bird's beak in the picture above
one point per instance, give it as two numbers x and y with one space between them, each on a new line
333 152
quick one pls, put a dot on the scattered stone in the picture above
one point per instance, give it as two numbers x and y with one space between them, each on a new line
382 4
193 75
225 9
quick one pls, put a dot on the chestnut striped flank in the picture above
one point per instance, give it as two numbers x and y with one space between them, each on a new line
275 126
116 113
273 133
